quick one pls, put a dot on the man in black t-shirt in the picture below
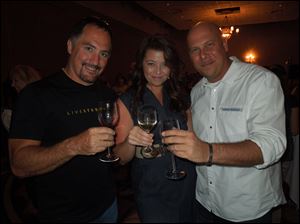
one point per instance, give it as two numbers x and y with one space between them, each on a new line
55 134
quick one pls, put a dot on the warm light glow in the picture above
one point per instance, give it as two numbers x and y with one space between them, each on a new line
250 57
228 30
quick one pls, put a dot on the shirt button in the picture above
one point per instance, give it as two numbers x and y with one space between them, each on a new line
210 182
210 127
212 108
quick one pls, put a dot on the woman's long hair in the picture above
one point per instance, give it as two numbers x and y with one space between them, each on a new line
179 102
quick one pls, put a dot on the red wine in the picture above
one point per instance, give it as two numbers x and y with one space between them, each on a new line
107 123
106 120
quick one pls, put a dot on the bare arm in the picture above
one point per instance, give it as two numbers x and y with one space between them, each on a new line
246 153
189 119
28 158
185 144
128 135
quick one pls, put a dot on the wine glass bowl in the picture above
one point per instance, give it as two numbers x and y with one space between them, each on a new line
108 117
173 173
147 119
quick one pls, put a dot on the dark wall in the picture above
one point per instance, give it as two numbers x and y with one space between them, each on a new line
273 43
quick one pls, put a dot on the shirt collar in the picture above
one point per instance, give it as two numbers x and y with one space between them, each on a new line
232 74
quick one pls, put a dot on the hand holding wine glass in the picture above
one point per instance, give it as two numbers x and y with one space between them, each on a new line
173 173
147 119
108 117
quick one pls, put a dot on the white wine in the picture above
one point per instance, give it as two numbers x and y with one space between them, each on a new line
147 126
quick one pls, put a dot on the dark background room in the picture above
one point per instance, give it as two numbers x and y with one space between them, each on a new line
35 33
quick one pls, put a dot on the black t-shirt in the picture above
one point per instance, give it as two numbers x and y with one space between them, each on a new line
52 110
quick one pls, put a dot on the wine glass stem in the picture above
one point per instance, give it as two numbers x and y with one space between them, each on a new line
148 147
173 163
108 152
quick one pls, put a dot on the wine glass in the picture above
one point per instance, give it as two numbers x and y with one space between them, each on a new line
108 117
147 119
173 173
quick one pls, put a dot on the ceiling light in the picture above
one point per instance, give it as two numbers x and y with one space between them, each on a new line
228 30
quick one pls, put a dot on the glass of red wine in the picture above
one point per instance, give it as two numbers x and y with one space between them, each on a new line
108 117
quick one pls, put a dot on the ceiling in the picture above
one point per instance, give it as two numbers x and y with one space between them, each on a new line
183 14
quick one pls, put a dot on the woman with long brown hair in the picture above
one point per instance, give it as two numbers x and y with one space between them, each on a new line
155 83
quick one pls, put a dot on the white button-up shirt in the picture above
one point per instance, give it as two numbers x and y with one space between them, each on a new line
247 104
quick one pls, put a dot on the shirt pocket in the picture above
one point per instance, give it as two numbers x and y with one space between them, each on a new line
232 123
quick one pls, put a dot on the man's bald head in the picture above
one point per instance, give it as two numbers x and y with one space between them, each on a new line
208 50
213 28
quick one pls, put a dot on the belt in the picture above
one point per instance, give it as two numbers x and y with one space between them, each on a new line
158 150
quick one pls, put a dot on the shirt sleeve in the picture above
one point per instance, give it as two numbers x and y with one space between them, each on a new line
28 117
267 118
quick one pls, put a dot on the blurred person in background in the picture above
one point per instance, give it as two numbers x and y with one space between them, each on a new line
19 76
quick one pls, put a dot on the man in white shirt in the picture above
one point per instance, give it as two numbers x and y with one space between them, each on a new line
239 133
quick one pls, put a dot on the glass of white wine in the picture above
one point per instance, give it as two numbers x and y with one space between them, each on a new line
147 119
